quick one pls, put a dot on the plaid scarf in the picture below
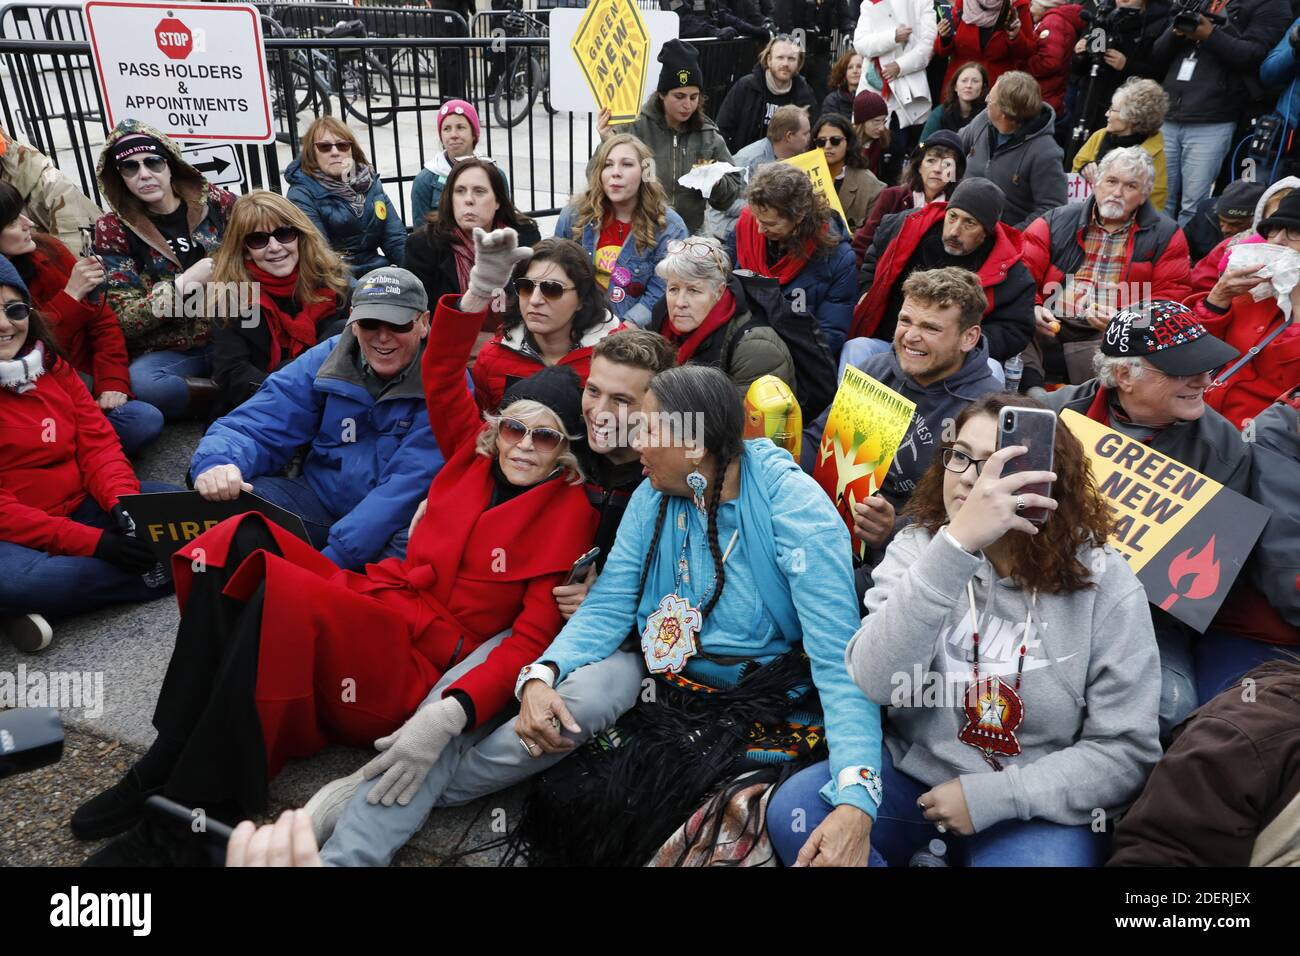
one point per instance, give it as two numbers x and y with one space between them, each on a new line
352 188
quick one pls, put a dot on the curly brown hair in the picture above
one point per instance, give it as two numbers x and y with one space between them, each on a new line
1047 561
789 192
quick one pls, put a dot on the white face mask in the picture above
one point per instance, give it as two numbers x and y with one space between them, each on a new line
1279 270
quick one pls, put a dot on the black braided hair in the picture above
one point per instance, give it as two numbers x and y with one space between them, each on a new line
715 500
654 546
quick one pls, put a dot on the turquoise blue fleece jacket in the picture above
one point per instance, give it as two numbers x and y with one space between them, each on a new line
789 579
630 308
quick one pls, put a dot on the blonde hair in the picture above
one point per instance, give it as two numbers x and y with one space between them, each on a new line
1019 95
307 157
651 201
319 266
486 443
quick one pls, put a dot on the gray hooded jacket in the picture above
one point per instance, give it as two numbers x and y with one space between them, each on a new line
1029 167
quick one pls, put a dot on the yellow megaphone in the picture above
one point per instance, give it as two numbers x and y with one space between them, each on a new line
772 411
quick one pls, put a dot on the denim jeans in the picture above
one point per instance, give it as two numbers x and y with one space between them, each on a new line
1193 154
901 829
1177 673
1221 658
138 424
294 494
60 585
159 378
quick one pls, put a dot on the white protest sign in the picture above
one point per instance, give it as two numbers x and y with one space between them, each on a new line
193 71
570 89
1077 189
218 163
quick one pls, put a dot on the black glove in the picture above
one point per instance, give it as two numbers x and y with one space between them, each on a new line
129 554
727 33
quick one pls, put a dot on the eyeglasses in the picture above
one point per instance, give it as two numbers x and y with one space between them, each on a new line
958 461
823 141
551 289
374 325
699 249
130 168
18 311
284 235
512 431
1287 231
343 146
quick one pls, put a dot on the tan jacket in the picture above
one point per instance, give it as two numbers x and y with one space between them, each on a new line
50 199
858 193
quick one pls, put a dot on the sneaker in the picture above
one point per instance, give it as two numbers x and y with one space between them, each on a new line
27 632
327 805
114 811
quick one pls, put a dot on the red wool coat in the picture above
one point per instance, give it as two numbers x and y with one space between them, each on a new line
389 635
1054 38
1270 373
508 357
56 447
88 331
1000 56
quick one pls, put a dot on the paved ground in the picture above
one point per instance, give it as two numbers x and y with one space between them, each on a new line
130 647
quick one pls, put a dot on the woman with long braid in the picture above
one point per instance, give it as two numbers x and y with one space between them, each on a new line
731 572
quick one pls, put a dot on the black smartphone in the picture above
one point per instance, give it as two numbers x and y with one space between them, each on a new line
212 831
581 565
1035 428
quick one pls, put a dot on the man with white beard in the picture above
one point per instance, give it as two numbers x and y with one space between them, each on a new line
1091 259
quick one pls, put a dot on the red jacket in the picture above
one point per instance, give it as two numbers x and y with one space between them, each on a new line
471 571
56 447
1207 272
871 307
1001 54
1055 37
1274 370
88 331
1156 257
892 199
510 356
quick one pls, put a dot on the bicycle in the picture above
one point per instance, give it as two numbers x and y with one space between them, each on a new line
517 87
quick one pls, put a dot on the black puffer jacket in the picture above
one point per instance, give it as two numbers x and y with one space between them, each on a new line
1226 78
1133 32
749 105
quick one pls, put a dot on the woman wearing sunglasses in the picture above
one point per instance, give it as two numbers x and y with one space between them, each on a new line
624 223
279 652
855 183
155 244
341 193
302 293
69 294
1016 664
556 312
705 314
441 251
64 546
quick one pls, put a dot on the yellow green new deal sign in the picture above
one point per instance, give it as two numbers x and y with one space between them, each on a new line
612 47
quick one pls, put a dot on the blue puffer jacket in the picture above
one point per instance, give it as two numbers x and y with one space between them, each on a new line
371 461
1280 70
356 238
625 305
826 289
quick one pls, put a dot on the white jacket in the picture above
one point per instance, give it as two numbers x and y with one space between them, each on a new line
909 93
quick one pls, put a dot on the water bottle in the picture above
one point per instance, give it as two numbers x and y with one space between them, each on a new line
1014 369
935 854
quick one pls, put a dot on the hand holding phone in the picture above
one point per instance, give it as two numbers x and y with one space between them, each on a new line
1034 429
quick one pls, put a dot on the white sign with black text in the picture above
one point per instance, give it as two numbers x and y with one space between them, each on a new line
219 163
194 71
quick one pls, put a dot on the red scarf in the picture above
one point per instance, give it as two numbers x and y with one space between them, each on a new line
718 316
751 252
289 333
462 250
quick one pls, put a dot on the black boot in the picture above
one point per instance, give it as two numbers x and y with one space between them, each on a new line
150 843
114 811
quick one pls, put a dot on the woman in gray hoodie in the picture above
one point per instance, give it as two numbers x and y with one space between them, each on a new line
1017 664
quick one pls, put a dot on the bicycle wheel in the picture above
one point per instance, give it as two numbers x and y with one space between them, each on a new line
302 92
517 90
369 90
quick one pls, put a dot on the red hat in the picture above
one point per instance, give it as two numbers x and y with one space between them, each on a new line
868 105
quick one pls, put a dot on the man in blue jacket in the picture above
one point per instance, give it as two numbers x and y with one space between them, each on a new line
357 400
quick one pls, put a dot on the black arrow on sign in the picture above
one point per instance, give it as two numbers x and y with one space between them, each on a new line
215 165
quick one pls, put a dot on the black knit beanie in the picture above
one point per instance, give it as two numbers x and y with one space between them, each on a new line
982 198
681 66
559 389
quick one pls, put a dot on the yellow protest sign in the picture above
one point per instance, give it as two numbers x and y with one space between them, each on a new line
813 163
867 423
612 47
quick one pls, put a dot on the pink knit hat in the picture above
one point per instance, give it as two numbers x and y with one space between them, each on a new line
459 108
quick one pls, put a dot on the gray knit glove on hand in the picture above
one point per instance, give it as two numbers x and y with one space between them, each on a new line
411 752
495 256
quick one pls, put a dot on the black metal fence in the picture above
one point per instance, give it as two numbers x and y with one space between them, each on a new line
388 89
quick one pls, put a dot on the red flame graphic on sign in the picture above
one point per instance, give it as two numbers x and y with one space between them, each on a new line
1204 569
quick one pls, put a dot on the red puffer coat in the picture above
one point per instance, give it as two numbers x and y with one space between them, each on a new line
471 572
1054 37
56 447
510 356
1001 54
1270 373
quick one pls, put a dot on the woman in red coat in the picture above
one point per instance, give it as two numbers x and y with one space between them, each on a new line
997 33
64 290
557 318
279 652
64 547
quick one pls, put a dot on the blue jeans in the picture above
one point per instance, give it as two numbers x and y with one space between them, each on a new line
856 351
294 494
159 378
1193 154
1222 657
138 424
1177 673
60 585
901 829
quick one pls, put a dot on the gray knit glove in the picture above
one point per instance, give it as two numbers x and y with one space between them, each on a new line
411 752
495 256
